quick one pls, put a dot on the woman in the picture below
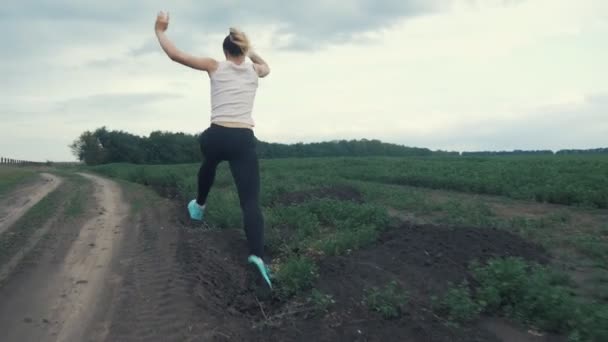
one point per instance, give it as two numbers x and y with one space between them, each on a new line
230 137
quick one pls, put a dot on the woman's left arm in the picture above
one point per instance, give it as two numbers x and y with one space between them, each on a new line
199 63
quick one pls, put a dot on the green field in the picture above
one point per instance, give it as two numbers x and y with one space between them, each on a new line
569 180
429 190
556 201
11 177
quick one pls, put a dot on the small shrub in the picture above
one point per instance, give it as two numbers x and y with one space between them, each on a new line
545 304
321 301
296 275
388 301
502 283
590 323
536 295
458 304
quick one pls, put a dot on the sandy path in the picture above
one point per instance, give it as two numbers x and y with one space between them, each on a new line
56 301
20 201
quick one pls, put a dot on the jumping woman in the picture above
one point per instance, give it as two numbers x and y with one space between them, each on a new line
230 136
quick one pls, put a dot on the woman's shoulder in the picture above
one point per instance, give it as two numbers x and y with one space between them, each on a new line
226 67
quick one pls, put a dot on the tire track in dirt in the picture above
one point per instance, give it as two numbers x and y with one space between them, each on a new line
58 302
20 201
154 302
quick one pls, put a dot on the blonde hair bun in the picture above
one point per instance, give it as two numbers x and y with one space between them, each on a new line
239 38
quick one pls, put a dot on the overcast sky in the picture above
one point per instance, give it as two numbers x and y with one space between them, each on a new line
443 74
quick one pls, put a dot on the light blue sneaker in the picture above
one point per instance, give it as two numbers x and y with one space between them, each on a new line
262 269
195 210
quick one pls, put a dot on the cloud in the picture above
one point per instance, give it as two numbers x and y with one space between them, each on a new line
111 103
77 10
40 24
578 124
313 24
104 63
148 47
450 74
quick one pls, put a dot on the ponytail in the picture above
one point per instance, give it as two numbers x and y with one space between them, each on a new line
236 43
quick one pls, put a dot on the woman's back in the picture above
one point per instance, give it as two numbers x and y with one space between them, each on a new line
233 90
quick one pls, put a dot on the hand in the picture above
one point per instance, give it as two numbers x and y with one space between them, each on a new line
162 22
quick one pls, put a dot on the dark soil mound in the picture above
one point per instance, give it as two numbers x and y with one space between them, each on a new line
426 258
422 259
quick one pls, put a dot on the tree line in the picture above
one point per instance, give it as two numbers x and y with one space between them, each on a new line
537 152
338 148
508 153
103 146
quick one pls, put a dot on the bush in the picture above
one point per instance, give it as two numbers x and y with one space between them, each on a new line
321 301
458 304
538 296
388 301
296 275
501 283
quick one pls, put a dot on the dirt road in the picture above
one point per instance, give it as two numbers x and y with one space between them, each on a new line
56 300
19 202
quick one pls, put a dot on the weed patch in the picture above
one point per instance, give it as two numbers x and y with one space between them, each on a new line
537 296
321 301
389 301
458 304
296 275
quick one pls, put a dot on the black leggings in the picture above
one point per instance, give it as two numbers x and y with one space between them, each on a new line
237 146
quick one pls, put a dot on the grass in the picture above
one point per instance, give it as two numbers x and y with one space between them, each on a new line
594 247
446 191
457 304
68 200
555 179
538 296
532 294
137 196
77 200
12 240
389 300
570 180
380 182
296 275
366 174
11 177
556 228
322 302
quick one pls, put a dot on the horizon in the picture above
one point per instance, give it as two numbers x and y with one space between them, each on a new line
452 75
460 153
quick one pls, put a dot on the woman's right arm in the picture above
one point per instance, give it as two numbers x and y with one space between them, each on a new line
176 55
260 65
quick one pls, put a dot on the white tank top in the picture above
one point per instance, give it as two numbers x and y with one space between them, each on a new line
233 89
